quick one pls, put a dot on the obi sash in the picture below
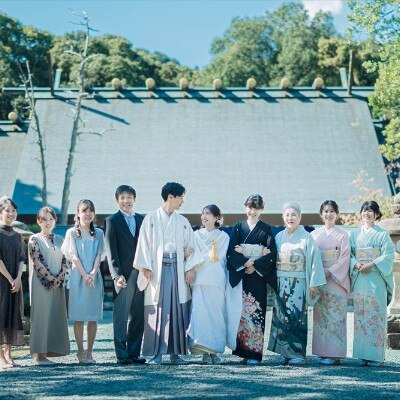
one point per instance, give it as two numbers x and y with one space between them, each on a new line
254 251
368 254
291 265
329 257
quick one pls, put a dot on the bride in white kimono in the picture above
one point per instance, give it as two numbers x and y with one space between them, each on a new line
207 329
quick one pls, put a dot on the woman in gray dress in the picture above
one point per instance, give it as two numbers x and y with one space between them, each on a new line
47 271
84 245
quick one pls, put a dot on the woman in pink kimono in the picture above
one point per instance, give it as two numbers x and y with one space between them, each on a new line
330 311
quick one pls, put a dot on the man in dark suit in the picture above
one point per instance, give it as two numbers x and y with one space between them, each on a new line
122 231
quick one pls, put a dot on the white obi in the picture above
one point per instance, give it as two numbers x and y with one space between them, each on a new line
254 251
329 257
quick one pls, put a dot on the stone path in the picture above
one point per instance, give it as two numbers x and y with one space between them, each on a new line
107 380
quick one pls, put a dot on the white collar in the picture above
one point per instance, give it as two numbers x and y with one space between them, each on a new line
126 215
328 231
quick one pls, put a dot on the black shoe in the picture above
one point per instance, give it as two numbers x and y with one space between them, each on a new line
136 360
124 361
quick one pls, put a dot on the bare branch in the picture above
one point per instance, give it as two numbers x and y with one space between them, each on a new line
96 133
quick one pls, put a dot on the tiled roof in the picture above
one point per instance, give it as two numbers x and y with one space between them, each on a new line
306 147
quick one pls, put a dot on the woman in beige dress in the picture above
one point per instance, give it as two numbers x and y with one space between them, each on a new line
47 271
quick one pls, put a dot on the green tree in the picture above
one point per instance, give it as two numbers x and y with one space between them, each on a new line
281 43
380 19
334 53
117 58
19 43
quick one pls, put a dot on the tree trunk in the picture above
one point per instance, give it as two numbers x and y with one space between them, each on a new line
31 99
75 131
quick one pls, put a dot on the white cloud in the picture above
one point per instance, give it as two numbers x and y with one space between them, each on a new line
313 6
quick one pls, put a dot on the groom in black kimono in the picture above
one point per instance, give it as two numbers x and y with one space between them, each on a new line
122 231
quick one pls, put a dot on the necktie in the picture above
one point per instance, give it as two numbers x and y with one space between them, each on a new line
131 224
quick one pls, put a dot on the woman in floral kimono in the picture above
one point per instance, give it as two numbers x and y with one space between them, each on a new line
372 283
251 264
330 311
300 273
207 328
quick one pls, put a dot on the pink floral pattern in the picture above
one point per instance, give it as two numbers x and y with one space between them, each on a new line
251 327
369 319
330 317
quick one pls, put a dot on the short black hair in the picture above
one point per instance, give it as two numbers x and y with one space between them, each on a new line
124 188
255 201
374 207
331 203
173 188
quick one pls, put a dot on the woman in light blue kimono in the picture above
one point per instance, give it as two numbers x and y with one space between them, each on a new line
372 283
300 273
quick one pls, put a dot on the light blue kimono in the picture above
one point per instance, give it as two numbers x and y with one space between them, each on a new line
372 291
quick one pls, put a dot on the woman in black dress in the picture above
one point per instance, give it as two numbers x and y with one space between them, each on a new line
11 263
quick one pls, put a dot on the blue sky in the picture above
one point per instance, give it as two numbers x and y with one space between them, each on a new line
183 29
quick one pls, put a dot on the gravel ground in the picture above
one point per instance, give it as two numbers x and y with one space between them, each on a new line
107 380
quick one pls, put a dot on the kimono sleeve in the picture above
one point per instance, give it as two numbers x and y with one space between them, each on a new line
196 257
69 246
143 256
353 260
385 261
315 268
236 260
340 270
266 264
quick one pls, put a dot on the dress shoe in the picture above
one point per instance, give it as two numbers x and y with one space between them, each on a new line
124 361
137 360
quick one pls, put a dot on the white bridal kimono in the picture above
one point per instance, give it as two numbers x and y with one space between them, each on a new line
207 330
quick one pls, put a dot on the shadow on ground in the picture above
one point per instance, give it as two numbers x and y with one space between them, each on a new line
107 380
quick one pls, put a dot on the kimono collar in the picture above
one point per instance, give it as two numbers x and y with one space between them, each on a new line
299 230
329 231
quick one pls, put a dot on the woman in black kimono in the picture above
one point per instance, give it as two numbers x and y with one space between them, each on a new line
252 263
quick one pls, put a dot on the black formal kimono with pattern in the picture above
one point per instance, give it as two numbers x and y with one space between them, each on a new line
250 337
